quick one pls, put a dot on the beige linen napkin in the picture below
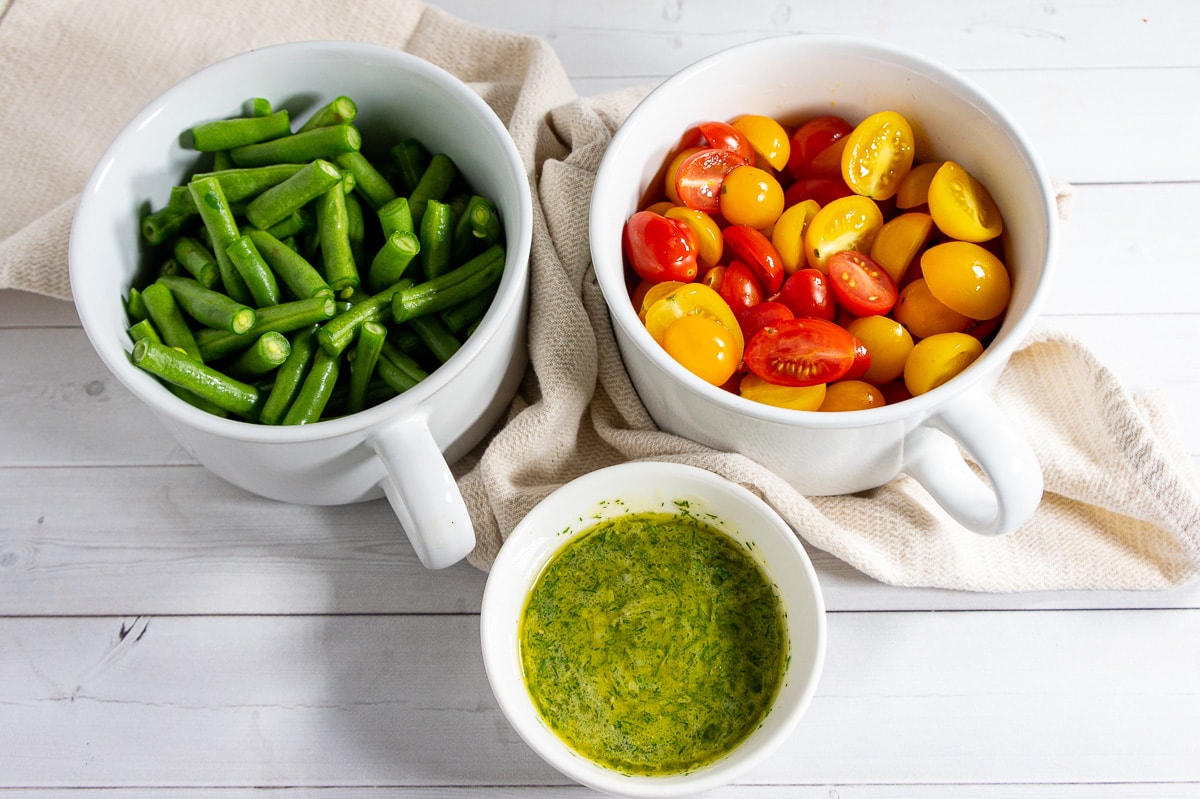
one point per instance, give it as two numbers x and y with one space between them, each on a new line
1122 503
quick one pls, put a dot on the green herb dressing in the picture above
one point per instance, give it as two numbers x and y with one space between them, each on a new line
653 643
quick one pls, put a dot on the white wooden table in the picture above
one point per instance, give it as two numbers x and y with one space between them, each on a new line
164 634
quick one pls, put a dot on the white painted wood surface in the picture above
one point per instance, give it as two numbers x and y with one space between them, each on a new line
163 634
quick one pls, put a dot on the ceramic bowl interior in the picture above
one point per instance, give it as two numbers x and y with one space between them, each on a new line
632 488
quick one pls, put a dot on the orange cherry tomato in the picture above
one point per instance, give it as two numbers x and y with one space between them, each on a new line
961 206
878 155
691 299
704 347
851 395
751 196
767 137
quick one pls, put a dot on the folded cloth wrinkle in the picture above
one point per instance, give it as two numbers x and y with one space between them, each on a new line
1121 508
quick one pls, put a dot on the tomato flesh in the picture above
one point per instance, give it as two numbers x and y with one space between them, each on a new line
800 352
861 286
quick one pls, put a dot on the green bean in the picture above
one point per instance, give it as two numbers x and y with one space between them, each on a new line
299 221
300 148
369 181
437 239
180 370
366 353
169 320
281 200
338 111
356 228
258 107
160 225
433 185
260 280
282 318
333 230
314 393
198 260
226 134
208 307
392 259
301 278
466 313
444 291
396 215
222 231
268 352
411 159
290 376
144 329
440 340
339 332
397 369
237 183
135 306
477 227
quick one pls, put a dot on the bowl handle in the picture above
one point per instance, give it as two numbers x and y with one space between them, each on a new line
422 491
932 457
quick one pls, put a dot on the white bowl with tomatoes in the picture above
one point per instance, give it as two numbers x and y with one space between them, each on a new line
820 252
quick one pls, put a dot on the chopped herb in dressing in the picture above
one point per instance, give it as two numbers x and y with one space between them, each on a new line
653 643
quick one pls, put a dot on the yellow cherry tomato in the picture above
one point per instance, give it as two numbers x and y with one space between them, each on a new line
767 137
899 241
888 343
925 315
673 170
655 293
788 234
914 189
661 208
751 196
851 395
847 223
961 206
704 347
692 299
936 359
878 155
796 398
711 244
967 278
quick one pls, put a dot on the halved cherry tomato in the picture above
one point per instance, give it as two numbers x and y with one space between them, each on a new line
810 140
878 155
708 232
756 317
690 299
652 294
961 206
723 136
851 395
739 287
788 233
796 398
848 223
861 286
822 190
704 347
767 137
800 352
751 196
862 361
967 278
700 175
671 176
806 293
756 250
659 248
914 189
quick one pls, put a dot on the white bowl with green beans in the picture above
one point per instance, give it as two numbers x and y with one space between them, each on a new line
311 261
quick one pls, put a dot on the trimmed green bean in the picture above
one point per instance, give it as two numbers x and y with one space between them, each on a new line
222 231
144 329
226 134
433 185
299 221
178 369
369 182
135 305
396 215
362 368
208 307
300 148
198 260
338 111
283 199
333 229
477 227
339 332
282 318
440 340
460 283
314 393
301 278
392 260
460 317
290 376
259 107
437 239
356 228
411 159
158 226
260 280
169 320
397 369
268 352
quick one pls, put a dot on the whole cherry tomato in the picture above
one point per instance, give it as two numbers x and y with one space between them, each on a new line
861 286
739 287
810 140
765 313
800 352
659 248
806 293
749 245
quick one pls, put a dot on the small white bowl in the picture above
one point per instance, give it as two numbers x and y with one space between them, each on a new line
642 487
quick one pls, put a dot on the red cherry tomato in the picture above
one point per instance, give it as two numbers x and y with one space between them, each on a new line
806 293
810 140
862 362
764 314
800 352
659 248
698 181
861 286
756 250
823 190
723 136
739 288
